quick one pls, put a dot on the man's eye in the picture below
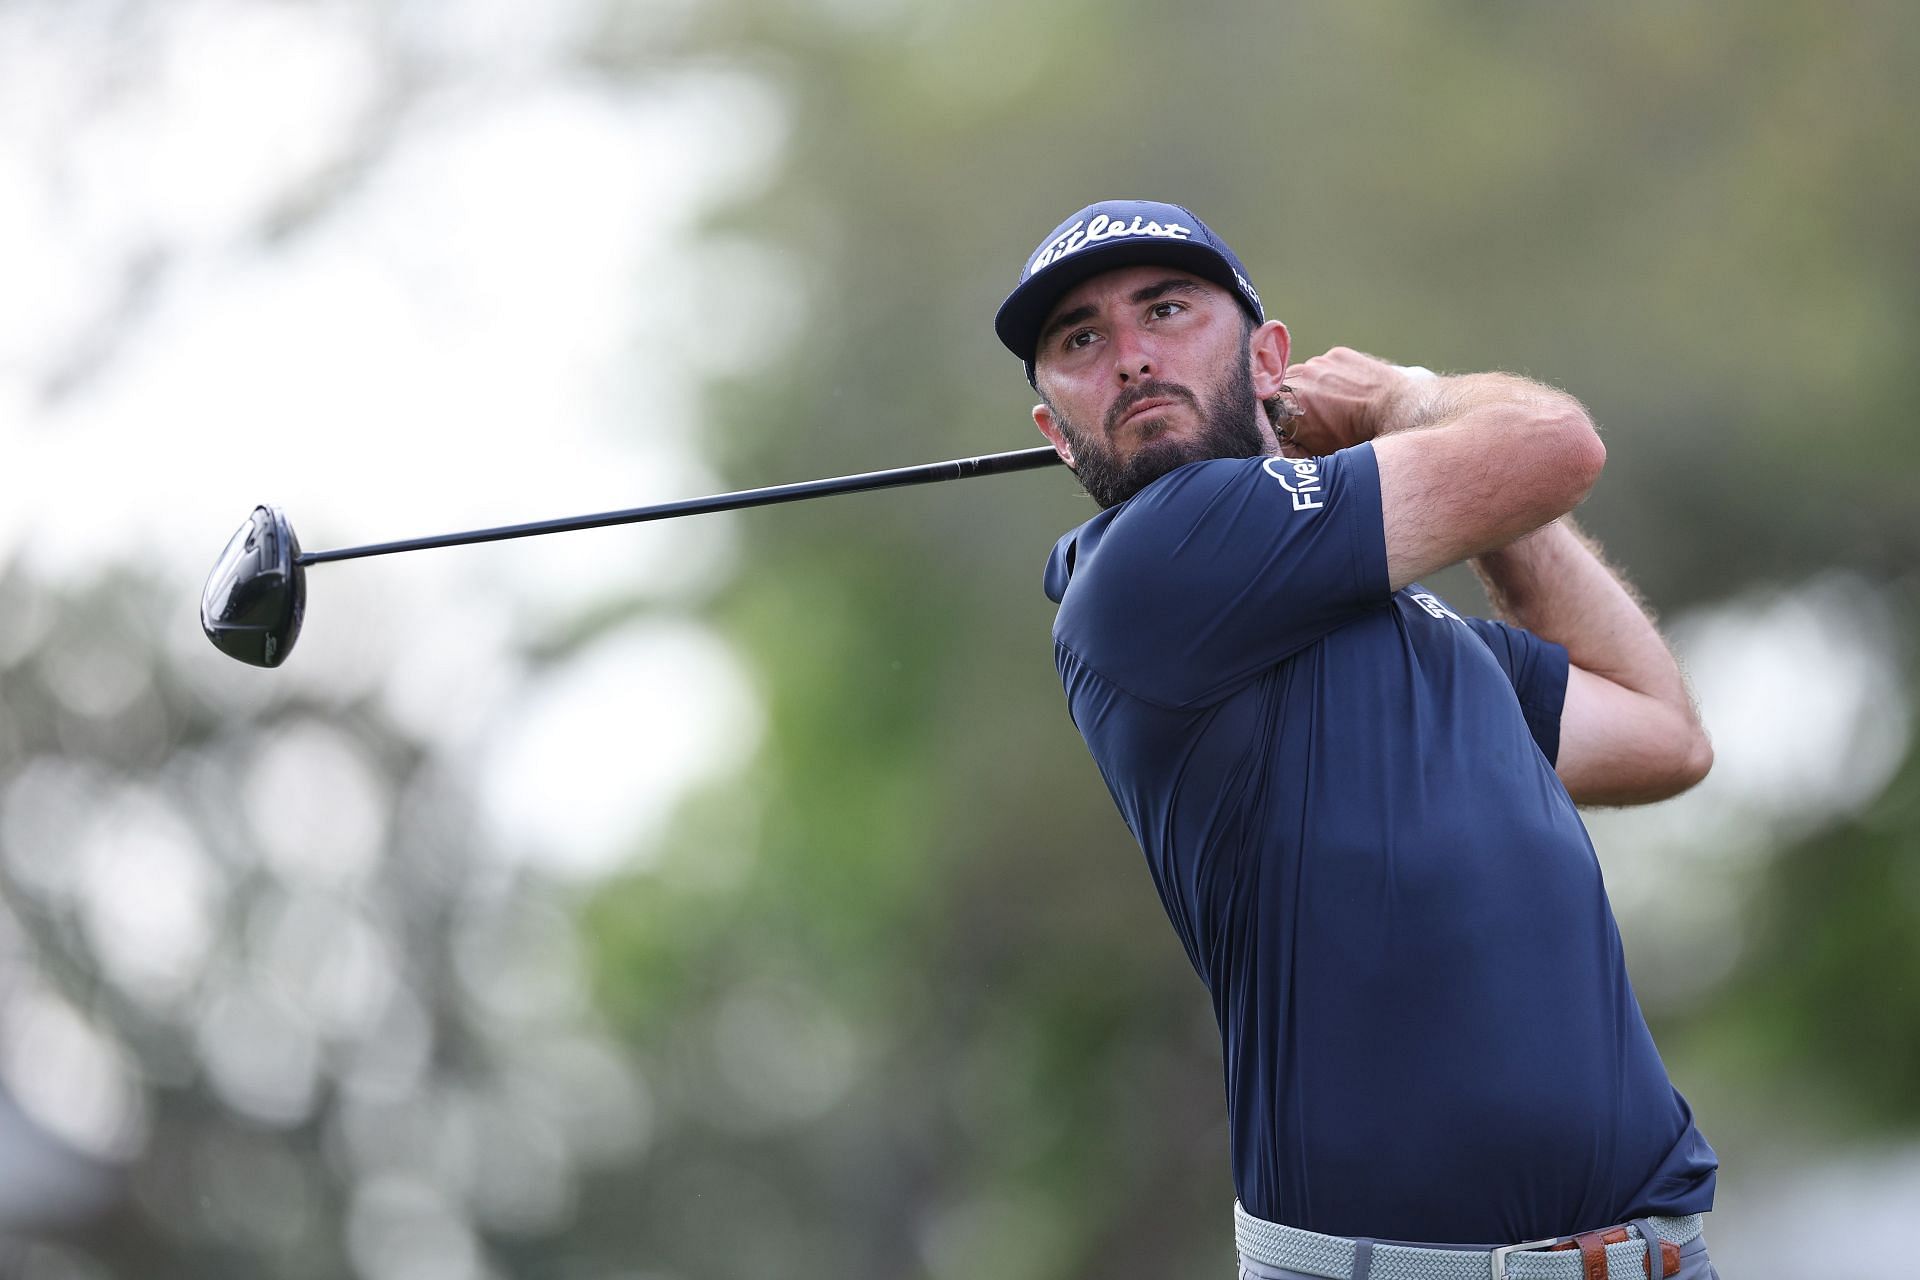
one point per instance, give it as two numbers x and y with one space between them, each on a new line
1079 338
1161 310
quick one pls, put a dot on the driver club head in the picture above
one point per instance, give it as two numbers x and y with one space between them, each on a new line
256 595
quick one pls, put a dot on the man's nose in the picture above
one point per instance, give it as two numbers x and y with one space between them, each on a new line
1132 360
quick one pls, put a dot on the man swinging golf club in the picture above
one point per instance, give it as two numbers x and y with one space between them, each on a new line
1358 805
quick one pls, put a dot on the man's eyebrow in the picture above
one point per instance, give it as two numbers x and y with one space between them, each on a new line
1172 284
1066 320
1147 293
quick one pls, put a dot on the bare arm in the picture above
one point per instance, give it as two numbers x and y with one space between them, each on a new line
1469 468
1467 464
1628 733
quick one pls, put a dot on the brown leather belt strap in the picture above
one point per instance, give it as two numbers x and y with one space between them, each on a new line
1593 1253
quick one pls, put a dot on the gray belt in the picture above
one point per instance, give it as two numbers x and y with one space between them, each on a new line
1292 1249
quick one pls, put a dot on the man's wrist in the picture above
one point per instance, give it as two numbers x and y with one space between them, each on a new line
1414 401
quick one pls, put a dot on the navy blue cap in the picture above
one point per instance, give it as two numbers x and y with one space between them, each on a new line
1109 234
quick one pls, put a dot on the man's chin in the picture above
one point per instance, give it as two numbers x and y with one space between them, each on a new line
1152 460
1156 423
1169 451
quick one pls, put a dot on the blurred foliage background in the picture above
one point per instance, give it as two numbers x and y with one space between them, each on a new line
738 900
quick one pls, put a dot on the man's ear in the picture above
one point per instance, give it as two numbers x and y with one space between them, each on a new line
1269 346
1043 419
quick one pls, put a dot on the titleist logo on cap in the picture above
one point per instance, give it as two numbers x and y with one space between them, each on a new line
1103 228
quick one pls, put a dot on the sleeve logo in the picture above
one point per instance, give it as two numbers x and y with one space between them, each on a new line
1300 477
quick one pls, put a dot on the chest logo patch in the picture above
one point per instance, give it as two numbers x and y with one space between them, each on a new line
1300 477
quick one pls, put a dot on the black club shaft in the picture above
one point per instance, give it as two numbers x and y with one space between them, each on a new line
925 473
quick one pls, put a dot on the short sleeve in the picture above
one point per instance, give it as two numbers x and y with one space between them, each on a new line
1220 569
1537 669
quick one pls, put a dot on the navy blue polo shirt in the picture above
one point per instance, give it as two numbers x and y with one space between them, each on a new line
1346 797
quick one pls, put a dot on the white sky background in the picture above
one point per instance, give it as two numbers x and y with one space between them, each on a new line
501 315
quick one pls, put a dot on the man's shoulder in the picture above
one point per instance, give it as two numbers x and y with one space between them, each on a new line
1136 525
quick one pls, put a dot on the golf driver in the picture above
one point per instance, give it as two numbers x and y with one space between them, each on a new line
256 596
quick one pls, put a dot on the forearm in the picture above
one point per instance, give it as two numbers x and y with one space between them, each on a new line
1345 397
1555 583
1422 401
1629 730
1469 464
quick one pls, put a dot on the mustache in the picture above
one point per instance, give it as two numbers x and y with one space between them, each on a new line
1148 391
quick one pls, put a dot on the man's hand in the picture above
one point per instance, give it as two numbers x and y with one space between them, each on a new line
1347 397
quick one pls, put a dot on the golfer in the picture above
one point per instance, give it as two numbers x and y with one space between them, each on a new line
1358 805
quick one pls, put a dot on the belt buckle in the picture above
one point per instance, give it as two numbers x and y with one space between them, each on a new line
1500 1255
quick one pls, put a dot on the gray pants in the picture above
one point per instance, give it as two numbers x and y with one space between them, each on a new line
1694 1264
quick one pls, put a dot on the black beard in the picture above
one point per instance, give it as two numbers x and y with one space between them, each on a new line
1229 428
